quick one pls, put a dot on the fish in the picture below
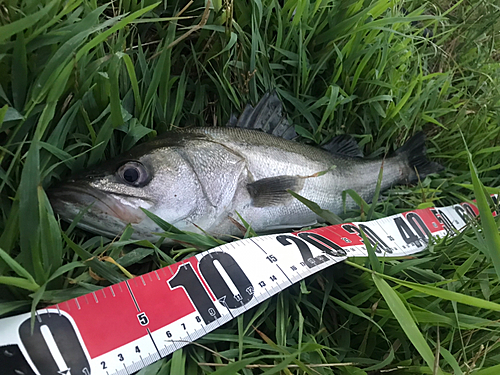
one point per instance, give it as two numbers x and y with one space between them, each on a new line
203 179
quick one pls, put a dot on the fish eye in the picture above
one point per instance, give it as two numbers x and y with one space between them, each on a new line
134 173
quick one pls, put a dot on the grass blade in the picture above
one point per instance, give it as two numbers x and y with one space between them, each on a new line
329 217
438 292
493 370
19 283
406 321
162 223
490 227
16 267
15 27
369 215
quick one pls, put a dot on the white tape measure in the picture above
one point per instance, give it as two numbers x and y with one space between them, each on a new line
125 327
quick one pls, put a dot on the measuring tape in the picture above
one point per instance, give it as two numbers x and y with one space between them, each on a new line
125 327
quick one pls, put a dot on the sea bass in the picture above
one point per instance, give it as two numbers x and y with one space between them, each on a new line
200 179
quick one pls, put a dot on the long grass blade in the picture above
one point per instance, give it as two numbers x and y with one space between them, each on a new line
490 227
406 321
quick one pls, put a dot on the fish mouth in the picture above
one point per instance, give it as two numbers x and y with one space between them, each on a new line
79 196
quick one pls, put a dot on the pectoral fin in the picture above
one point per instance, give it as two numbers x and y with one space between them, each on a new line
272 191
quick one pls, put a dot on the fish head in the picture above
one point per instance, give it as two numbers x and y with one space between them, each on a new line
113 194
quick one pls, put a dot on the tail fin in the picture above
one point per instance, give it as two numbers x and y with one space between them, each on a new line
413 151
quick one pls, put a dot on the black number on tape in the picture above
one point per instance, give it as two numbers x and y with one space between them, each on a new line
305 252
120 357
418 225
143 319
271 258
469 209
443 219
370 234
466 212
317 240
464 215
13 360
53 336
217 283
494 198
406 233
448 223
187 279
324 244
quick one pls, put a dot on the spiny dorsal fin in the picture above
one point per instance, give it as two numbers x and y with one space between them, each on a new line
344 145
272 191
267 116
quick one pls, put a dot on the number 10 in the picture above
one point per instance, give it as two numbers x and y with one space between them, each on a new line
187 278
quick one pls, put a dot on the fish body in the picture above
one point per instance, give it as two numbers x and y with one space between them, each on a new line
200 178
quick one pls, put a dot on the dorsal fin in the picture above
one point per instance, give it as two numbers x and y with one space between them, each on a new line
344 145
267 116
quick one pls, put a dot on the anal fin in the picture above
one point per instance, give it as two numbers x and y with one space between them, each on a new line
272 191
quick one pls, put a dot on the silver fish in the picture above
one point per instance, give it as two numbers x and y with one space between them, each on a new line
200 178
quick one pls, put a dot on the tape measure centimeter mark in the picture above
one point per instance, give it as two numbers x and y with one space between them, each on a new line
125 327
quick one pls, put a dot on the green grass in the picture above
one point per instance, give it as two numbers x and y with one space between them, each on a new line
84 80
